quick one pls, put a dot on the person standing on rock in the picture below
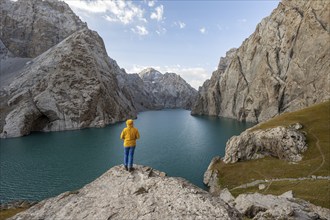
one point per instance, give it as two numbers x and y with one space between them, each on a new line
129 135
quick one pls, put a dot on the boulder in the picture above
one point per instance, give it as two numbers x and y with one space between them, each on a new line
281 142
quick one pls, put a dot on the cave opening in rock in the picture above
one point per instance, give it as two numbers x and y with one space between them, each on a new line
40 123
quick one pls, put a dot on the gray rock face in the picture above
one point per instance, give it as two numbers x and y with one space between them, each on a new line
151 89
258 206
167 90
73 85
143 194
283 66
283 143
209 97
30 27
211 177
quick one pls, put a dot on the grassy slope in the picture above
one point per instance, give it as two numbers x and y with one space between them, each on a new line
4 214
316 160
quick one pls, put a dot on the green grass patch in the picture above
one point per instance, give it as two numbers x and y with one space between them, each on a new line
4 214
316 159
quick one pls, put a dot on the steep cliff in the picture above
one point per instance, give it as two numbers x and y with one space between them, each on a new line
209 98
283 66
29 28
72 85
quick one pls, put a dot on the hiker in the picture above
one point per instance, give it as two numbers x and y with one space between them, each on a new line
129 135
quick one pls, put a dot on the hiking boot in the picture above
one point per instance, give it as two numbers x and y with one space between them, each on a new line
126 168
130 169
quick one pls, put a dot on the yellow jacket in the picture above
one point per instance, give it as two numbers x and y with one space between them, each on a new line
130 134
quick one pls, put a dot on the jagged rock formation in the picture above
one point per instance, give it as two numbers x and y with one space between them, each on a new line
29 28
281 142
143 194
73 85
283 66
151 89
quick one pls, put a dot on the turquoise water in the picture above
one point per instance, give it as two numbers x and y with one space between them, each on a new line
42 165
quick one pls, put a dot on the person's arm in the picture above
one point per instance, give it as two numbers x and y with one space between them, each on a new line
137 134
122 135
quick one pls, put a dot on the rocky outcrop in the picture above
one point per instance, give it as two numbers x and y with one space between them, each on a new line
73 85
143 194
281 142
283 66
211 177
30 27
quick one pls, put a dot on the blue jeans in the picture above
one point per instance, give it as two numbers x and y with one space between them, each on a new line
128 156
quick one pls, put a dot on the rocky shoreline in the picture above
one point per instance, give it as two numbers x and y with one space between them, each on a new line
24 204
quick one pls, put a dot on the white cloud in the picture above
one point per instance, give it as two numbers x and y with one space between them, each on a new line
161 30
243 20
140 30
116 11
195 76
158 14
180 24
203 30
151 4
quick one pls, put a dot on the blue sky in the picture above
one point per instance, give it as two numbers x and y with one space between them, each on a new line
185 37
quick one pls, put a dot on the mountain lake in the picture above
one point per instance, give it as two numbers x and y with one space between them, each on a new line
43 165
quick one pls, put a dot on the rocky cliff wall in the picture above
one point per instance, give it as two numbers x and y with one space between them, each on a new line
30 27
283 66
73 85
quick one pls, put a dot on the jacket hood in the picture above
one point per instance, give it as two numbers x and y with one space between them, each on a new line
129 123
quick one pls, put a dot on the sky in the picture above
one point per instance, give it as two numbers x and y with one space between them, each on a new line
184 37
